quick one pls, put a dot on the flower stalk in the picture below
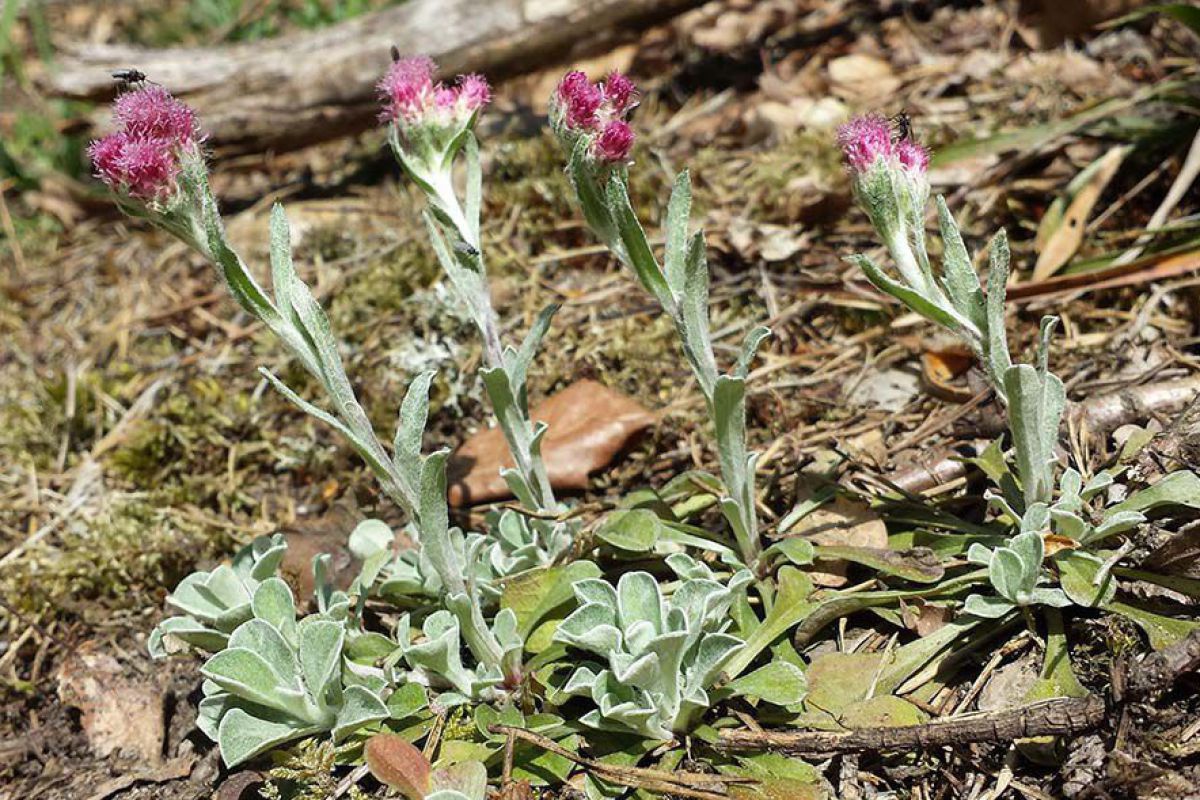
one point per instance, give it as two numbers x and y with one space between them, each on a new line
588 118
429 125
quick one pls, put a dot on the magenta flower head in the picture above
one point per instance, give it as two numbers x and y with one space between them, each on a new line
620 93
411 97
614 142
595 113
864 141
154 113
913 157
144 158
407 89
428 120
888 174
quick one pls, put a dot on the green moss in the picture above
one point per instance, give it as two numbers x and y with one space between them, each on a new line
124 558
184 449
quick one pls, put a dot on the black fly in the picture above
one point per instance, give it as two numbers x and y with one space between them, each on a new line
466 248
903 127
129 77
395 54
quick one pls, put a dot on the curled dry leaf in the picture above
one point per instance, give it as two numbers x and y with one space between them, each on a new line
940 366
1061 231
1178 554
393 760
119 715
925 618
1055 543
589 425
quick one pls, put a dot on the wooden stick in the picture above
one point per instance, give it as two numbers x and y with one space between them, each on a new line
1060 716
313 86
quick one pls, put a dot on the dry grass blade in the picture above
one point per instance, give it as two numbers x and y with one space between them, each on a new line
1065 240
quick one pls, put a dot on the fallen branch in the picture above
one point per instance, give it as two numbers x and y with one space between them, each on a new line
1060 716
1098 415
318 85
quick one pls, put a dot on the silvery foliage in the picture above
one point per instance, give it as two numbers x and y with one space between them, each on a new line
1016 573
297 319
448 560
895 200
680 285
279 679
214 604
661 655
435 659
427 154
272 678
510 547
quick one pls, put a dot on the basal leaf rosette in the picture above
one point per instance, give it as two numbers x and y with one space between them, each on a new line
661 655
1017 575
280 679
434 657
215 603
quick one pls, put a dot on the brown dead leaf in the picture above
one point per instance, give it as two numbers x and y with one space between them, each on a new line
1147 269
1056 544
1178 555
1010 684
1046 23
925 618
171 770
1064 241
308 538
764 240
517 790
238 785
861 77
394 760
841 522
589 425
121 715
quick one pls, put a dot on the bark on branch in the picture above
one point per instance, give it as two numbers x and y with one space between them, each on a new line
1099 415
1068 715
313 86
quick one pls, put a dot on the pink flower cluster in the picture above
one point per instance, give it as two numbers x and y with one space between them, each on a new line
598 110
864 140
411 96
142 158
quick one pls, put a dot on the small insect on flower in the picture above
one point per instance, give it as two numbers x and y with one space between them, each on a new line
902 127
128 77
